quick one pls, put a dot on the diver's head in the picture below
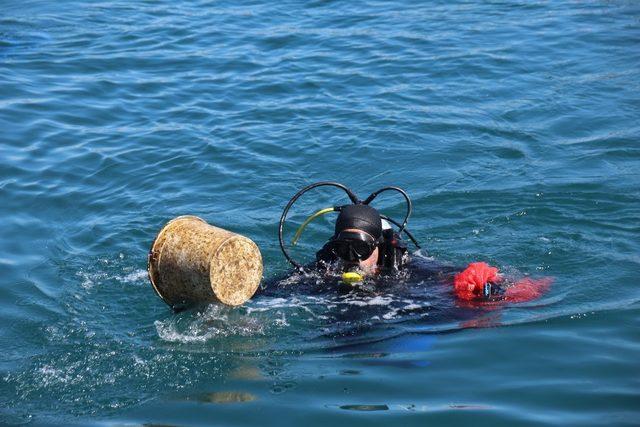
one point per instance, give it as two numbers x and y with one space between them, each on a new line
359 217
357 235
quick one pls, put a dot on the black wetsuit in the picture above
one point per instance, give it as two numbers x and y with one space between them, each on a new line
418 274
419 291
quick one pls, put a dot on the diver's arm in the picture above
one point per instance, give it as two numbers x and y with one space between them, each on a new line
430 268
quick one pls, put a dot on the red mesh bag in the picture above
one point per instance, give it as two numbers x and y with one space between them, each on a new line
527 289
469 283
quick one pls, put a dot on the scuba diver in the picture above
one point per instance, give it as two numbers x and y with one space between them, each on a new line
363 242
365 246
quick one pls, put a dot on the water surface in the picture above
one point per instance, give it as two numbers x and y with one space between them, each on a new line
513 125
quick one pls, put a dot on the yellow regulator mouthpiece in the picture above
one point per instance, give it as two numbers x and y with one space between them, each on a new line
351 277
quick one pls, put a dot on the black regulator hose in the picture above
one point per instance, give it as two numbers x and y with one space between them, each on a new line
409 235
354 199
409 206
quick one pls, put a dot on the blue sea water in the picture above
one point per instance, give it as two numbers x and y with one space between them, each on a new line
514 125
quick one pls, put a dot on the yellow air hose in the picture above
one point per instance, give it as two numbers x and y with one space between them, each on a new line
307 221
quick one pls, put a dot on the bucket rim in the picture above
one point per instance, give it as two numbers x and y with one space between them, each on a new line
153 256
254 246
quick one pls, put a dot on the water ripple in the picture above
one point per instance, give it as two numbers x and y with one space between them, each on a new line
514 126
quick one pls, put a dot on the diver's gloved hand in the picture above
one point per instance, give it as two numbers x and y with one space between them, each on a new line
469 284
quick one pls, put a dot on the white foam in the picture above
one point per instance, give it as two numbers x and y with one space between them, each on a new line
213 323
377 300
88 280
134 276
282 320
390 315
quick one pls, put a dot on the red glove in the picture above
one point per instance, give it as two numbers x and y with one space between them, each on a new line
469 284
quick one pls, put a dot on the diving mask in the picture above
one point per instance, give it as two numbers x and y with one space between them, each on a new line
353 246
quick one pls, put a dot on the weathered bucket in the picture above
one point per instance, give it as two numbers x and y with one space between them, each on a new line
192 262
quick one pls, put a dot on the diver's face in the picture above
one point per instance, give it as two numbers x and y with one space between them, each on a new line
367 266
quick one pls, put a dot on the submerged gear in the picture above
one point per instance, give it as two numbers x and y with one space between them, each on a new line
358 215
